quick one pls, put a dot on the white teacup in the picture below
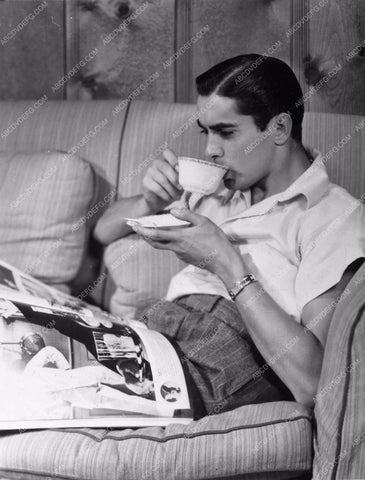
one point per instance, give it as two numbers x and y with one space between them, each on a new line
200 176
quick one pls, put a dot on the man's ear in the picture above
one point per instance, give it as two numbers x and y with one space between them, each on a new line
282 128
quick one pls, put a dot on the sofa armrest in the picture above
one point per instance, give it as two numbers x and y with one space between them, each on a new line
340 402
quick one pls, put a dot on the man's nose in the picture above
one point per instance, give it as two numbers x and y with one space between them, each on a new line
213 152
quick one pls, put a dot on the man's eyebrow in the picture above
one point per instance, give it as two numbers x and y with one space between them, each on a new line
218 126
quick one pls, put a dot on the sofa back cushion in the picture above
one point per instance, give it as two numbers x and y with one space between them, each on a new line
151 127
340 139
88 129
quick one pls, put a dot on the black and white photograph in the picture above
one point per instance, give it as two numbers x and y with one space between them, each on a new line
9 311
7 279
170 391
182 194
36 289
71 364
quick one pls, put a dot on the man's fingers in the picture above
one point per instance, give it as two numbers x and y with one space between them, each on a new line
170 157
159 183
155 234
188 215
151 185
155 244
160 179
167 170
164 240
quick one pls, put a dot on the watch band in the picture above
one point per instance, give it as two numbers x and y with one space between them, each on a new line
240 285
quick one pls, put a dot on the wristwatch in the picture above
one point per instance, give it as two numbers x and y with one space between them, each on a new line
240 285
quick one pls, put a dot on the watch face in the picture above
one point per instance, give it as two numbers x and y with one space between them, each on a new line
240 285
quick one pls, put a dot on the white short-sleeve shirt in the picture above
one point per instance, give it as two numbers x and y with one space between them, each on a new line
297 243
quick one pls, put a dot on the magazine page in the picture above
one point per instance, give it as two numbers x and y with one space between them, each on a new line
136 378
169 381
23 287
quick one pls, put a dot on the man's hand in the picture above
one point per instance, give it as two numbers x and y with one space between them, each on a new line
203 244
160 188
160 184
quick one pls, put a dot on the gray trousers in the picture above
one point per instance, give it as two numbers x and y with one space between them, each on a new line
216 352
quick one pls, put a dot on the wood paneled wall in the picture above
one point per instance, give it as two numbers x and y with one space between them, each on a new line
32 49
170 42
337 39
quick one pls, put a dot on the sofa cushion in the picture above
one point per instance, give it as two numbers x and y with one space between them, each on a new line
44 198
138 271
340 402
253 440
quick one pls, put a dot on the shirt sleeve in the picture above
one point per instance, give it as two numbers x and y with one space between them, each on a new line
326 252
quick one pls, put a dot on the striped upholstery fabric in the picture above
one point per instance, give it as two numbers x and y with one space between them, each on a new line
61 125
271 441
341 140
42 197
135 267
340 406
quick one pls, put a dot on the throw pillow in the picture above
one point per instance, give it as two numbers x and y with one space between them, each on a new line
44 201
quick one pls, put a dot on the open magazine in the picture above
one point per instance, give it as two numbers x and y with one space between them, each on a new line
127 376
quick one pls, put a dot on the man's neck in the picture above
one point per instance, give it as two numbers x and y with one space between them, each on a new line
287 167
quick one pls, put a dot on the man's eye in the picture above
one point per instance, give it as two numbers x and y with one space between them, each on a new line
203 131
226 134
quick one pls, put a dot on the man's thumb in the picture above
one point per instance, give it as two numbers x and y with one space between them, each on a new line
187 215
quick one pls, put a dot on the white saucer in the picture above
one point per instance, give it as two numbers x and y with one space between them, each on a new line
165 220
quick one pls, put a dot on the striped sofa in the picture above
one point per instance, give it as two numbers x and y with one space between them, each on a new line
280 440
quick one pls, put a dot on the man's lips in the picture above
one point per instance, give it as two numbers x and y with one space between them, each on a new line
229 175
229 179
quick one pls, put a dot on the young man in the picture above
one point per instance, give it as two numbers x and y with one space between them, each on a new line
287 243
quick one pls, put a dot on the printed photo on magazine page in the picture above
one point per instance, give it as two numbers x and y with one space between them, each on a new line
132 376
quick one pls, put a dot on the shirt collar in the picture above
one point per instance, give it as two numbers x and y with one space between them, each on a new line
313 183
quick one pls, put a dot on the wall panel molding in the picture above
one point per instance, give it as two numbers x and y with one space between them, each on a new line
300 40
71 44
183 66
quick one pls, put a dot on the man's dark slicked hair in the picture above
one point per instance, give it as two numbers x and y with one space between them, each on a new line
262 87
